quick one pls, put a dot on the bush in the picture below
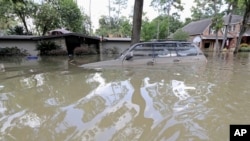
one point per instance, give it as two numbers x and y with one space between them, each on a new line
244 45
10 51
180 35
57 52
113 50
80 51
84 50
244 49
45 47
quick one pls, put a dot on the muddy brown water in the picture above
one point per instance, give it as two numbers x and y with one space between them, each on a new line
50 99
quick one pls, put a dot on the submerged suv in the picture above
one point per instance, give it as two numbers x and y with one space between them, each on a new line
156 54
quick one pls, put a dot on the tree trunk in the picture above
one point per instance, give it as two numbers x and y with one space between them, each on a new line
243 27
22 17
217 41
225 33
137 21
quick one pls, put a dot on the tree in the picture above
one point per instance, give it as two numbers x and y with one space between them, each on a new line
115 8
60 14
137 21
217 21
24 10
244 26
71 16
6 18
160 27
164 7
201 10
180 35
120 27
119 6
17 30
46 18
232 8
148 30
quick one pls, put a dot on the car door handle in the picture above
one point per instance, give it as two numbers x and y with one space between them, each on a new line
177 60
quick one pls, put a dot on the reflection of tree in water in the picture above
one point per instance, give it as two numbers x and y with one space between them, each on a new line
106 109
175 116
114 120
92 107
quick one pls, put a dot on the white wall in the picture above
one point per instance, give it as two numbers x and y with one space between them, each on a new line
28 45
121 46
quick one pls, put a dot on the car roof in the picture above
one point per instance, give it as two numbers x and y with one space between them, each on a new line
157 42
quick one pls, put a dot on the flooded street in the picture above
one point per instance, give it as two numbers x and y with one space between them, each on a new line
50 99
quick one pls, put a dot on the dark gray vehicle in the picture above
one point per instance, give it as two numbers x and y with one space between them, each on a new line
154 54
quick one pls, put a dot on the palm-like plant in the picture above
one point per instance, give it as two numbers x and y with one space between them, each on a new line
46 46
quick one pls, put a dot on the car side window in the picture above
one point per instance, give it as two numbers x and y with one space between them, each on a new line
186 49
142 51
165 49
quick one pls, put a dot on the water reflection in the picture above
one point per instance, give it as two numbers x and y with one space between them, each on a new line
54 100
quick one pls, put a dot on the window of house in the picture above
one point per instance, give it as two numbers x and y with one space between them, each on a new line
234 26
231 28
211 30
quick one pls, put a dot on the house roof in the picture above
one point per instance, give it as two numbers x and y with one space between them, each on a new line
17 37
34 38
211 37
235 19
117 39
197 27
65 35
247 33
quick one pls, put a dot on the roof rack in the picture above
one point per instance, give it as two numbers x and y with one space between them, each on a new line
166 40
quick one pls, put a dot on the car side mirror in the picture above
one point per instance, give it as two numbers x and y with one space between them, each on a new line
128 57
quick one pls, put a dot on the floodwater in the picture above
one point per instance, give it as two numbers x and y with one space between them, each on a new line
50 99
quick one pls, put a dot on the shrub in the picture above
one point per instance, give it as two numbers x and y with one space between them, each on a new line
113 50
46 46
244 45
57 52
180 35
80 51
10 51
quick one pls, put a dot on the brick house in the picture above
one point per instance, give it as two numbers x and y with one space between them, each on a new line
200 32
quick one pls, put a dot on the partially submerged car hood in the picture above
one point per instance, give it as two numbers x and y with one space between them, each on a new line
102 64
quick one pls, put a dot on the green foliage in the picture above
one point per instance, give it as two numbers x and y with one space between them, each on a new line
112 26
18 30
205 9
217 22
167 25
23 9
118 6
12 51
7 19
244 45
148 31
180 35
46 46
71 16
46 18
164 6
60 14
